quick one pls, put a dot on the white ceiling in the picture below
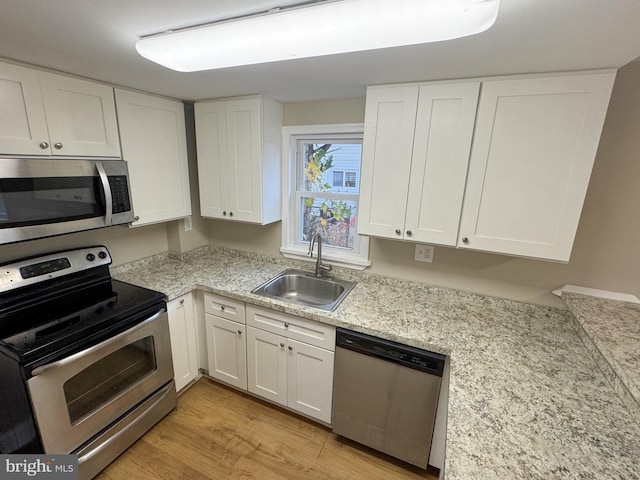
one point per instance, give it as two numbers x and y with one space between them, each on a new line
96 39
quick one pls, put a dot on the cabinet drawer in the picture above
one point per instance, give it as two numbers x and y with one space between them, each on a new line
307 331
224 307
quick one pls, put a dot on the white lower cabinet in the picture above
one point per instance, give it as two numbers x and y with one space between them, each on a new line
267 365
226 350
226 347
184 342
284 359
309 380
290 361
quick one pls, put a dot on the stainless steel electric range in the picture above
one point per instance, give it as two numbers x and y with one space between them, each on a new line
85 360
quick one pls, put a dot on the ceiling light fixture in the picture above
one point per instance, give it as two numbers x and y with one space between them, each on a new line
316 29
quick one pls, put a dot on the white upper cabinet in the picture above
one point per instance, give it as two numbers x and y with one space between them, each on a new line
534 147
389 123
152 132
414 167
81 116
23 125
441 146
238 142
47 114
507 173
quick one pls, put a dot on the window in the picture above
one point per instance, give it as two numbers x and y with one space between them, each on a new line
322 193
341 178
338 178
350 179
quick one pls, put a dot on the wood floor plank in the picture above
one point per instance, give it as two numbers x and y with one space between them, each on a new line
218 433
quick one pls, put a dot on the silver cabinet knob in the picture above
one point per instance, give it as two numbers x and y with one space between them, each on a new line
290 348
465 240
281 345
224 212
136 218
398 231
57 145
44 145
239 332
222 307
182 301
231 214
409 233
286 325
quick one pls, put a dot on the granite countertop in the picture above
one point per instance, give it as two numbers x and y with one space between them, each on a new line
526 398
610 329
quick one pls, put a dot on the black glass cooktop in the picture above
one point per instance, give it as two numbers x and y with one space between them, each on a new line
66 321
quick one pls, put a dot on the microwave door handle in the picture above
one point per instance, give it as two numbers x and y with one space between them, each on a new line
108 200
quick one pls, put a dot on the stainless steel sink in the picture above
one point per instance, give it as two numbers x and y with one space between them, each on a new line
303 288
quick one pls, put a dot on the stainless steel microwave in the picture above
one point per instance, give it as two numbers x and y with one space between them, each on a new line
51 196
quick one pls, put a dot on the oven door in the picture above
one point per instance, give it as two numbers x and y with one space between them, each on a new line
75 398
40 198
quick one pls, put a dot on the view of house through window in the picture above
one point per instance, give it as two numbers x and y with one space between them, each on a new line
327 190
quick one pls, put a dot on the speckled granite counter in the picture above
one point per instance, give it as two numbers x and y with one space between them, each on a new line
526 399
610 329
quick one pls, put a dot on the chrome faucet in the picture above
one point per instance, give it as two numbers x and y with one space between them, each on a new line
322 269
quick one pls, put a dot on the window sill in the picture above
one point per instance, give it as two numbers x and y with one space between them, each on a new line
353 262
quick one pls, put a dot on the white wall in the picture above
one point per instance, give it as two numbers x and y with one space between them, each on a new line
124 244
604 254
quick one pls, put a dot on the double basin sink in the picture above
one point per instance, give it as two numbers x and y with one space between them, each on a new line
304 288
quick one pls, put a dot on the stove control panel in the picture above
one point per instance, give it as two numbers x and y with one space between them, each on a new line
32 270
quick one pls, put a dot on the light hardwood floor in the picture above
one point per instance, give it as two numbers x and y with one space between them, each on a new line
219 433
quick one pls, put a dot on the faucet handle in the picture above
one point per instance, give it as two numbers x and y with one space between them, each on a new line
325 268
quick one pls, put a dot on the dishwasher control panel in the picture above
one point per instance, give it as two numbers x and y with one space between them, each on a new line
405 355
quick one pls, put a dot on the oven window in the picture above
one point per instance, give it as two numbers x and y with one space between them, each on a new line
38 201
108 378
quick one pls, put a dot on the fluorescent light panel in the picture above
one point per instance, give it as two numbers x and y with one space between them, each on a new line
318 29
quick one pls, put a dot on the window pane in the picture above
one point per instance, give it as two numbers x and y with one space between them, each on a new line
334 220
350 179
338 178
325 165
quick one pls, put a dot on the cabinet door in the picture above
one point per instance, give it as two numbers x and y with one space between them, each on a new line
81 116
534 147
211 142
444 129
267 365
182 329
389 124
244 160
23 126
226 351
154 144
310 380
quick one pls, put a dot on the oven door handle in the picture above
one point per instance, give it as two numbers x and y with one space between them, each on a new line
88 351
108 199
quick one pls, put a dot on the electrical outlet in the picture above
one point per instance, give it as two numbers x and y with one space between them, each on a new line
424 253
187 224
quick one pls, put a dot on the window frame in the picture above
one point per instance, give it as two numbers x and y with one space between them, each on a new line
290 246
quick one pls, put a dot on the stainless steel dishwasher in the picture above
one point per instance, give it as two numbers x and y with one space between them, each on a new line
385 395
